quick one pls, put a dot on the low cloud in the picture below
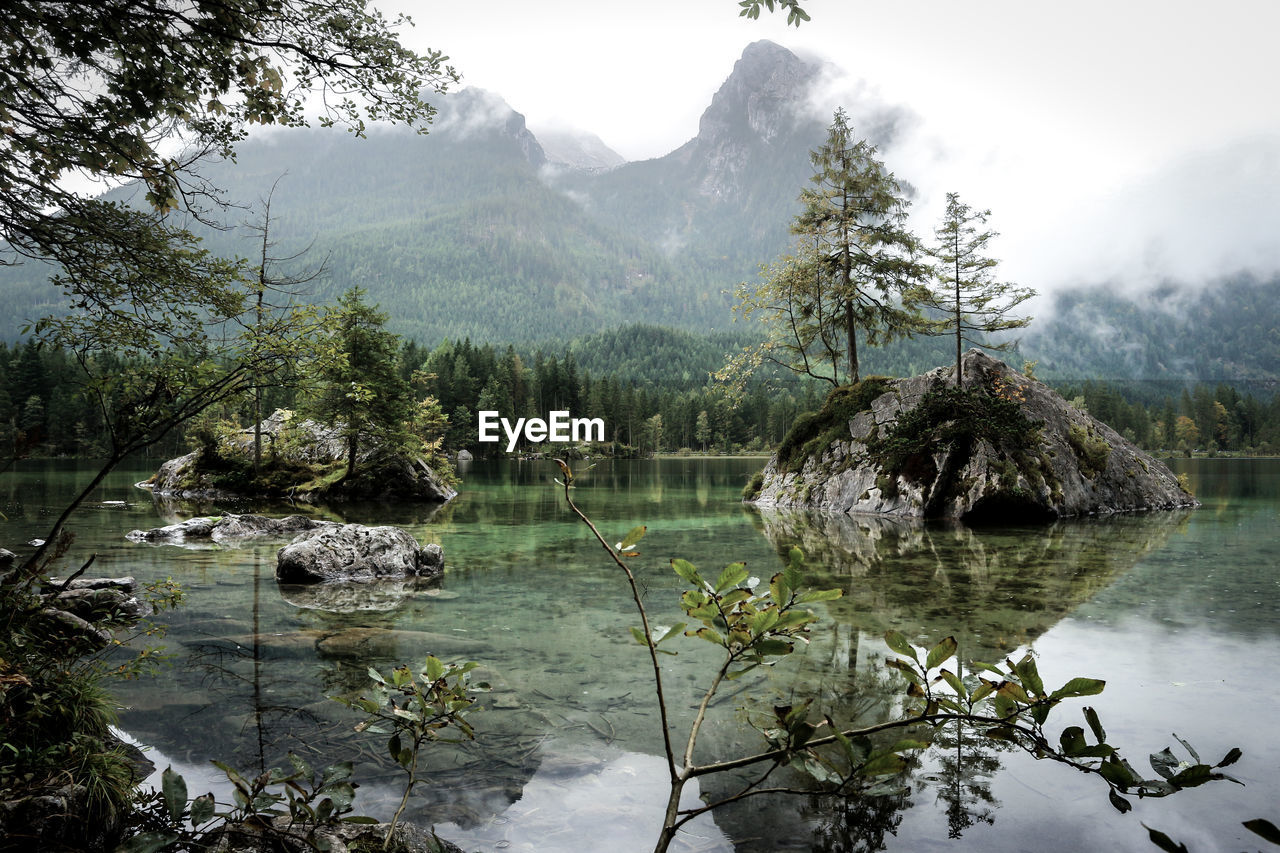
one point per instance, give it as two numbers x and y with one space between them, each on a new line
1070 214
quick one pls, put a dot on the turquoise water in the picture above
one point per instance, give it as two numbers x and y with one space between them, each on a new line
1177 611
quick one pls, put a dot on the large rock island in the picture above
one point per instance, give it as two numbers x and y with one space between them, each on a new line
1003 447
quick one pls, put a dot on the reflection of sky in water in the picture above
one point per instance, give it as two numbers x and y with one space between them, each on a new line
581 802
1179 614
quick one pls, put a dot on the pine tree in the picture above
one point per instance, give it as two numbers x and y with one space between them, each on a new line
968 292
361 392
855 269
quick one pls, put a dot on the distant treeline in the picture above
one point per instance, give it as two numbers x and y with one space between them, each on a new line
649 385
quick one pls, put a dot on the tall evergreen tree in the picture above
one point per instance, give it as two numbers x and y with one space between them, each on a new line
967 289
855 213
855 269
361 391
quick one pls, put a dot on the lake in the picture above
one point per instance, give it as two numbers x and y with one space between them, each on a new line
1177 611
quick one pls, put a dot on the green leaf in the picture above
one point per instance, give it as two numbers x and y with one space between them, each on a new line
674 631
709 635
632 537
732 575
1165 762
1121 804
884 765
376 676
148 842
335 772
639 635
773 648
984 689
1265 828
819 595
1029 675
1072 741
202 808
1117 773
896 641
174 789
1014 691
1230 758
1091 717
1195 756
686 570
435 668
1163 841
300 765
953 681
941 653
780 590
1193 776
1080 687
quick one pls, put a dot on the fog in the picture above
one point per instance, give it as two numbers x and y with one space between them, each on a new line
1071 217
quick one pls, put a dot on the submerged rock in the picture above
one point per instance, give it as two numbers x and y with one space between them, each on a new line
1008 450
228 528
382 595
364 643
356 552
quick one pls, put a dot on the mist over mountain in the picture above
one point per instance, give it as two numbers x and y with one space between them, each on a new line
484 229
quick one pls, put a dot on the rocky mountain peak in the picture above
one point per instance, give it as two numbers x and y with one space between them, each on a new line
761 106
476 112
767 85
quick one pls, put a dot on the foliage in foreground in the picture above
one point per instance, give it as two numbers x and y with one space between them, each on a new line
757 624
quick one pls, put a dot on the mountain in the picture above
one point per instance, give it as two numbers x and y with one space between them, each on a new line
1227 331
578 149
485 229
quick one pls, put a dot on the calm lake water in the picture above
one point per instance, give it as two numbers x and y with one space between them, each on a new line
1177 611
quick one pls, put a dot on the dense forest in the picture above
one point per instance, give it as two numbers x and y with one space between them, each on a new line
651 387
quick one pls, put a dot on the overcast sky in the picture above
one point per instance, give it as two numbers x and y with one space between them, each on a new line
1137 135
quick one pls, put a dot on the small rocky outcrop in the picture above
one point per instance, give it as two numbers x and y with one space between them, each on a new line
355 552
228 528
84 612
294 450
1005 448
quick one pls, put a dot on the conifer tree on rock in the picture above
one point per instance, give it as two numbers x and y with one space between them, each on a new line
361 391
968 292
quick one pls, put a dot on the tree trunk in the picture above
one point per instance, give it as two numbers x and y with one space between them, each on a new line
853 343
959 335
672 815
351 456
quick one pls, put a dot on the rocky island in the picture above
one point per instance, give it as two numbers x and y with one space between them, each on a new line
1002 447
304 460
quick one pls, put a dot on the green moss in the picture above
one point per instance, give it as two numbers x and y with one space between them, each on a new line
888 486
1091 450
752 488
813 432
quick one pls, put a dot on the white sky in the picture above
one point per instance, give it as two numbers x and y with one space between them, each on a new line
1079 123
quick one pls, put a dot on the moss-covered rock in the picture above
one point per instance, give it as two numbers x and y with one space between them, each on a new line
1002 447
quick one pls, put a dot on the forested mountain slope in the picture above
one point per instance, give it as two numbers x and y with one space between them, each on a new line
474 231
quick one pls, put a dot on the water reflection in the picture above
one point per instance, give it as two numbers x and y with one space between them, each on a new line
1156 603
994 589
